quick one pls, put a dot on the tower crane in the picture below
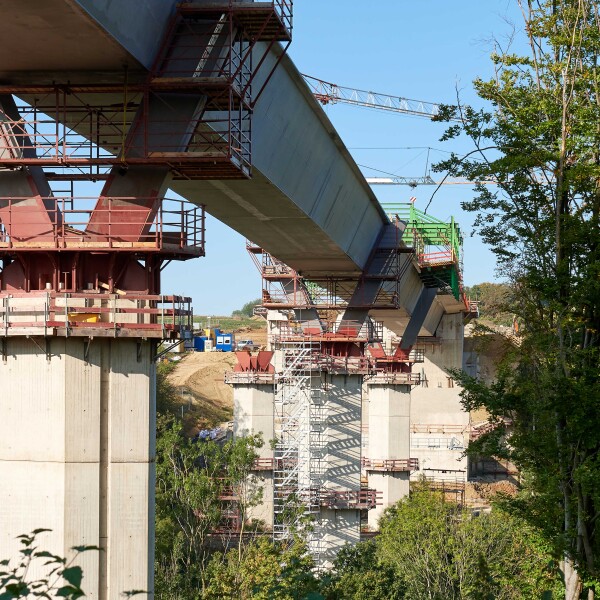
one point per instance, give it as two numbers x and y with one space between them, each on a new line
423 180
331 93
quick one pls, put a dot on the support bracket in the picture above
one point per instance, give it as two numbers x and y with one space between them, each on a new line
47 351
86 349
166 350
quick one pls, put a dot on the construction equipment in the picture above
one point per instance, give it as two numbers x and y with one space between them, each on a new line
331 93
413 182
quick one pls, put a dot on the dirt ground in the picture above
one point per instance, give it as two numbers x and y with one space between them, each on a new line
199 379
206 398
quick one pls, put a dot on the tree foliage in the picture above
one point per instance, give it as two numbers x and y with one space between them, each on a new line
62 578
494 301
540 142
267 571
192 478
359 574
247 309
441 552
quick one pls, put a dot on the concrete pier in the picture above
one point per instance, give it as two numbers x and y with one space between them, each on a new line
389 444
253 413
77 447
439 425
341 524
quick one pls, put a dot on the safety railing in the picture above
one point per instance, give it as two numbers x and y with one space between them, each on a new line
98 314
344 329
438 428
343 364
394 378
390 464
445 443
84 138
363 499
123 223
250 378
264 21
207 47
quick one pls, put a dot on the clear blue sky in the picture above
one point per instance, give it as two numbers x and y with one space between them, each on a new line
423 50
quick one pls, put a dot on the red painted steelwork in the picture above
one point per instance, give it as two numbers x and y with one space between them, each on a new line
390 464
94 314
177 226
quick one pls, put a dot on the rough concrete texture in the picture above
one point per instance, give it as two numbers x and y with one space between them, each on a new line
389 435
439 425
342 434
253 413
393 487
339 527
76 456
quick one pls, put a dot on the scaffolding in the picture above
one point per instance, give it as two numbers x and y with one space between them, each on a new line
284 288
300 444
437 246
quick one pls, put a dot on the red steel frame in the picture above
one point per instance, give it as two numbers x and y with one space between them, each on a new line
80 129
104 254
325 293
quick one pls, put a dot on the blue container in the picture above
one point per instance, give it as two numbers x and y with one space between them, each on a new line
199 343
225 341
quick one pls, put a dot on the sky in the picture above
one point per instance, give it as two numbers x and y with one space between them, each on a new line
423 49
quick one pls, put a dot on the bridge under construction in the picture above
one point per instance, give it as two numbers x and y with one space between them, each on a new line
200 99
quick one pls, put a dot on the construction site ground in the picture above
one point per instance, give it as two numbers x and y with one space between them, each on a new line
199 389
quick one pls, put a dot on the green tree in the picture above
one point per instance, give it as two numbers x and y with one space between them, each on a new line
267 571
441 552
494 302
541 142
62 579
198 484
247 309
359 574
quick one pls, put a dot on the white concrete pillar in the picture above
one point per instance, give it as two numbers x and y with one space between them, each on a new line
389 439
253 413
342 466
77 447
439 425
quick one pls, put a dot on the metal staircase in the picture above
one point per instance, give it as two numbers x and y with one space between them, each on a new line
300 446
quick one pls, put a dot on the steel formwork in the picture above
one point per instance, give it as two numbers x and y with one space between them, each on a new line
283 288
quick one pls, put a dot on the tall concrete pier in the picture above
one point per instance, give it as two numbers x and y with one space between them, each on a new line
77 453
77 428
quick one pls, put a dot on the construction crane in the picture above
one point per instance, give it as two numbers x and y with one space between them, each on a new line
424 180
331 93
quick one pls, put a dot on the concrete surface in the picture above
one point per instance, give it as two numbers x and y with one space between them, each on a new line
76 456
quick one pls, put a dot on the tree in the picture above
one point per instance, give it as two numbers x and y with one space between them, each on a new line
198 484
267 571
63 578
358 574
541 142
493 301
439 551
248 309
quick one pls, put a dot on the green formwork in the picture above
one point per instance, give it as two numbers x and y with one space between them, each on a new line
430 237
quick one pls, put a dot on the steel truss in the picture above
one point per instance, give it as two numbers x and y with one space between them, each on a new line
209 54
283 288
